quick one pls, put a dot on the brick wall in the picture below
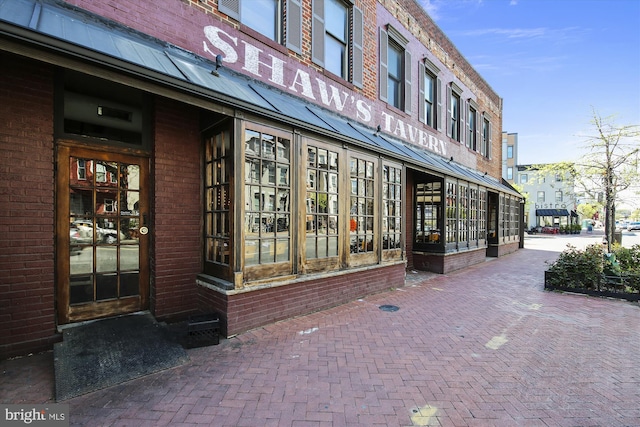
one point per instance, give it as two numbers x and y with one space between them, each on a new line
446 263
176 209
27 311
247 310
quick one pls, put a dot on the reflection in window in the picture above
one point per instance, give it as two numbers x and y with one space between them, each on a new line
463 207
218 160
267 196
452 212
361 209
391 207
321 203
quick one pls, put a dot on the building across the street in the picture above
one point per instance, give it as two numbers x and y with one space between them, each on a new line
550 198
257 159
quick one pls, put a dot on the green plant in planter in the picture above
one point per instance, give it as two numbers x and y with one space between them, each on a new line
577 269
629 261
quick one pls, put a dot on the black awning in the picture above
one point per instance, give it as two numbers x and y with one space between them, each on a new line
552 212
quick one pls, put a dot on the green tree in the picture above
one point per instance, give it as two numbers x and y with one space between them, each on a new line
610 164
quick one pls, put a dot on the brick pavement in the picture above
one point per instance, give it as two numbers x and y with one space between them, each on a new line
482 347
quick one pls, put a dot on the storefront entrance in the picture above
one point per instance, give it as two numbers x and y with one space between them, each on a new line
103 228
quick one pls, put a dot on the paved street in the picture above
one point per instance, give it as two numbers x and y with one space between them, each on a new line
486 346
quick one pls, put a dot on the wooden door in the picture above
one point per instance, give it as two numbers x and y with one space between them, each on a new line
102 234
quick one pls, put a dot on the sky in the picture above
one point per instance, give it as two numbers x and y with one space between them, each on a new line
553 62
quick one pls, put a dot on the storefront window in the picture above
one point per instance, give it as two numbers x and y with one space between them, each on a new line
428 213
321 203
452 212
463 222
218 158
267 197
473 216
391 207
362 205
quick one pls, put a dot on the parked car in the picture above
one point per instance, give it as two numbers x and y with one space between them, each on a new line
633 225
104 235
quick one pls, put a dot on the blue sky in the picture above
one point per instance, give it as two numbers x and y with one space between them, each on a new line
552 62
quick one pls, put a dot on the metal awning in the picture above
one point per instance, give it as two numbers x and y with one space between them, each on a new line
64 28
552 212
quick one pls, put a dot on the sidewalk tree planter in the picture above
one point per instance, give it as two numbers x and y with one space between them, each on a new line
592 272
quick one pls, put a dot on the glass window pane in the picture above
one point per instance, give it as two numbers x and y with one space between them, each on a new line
261 15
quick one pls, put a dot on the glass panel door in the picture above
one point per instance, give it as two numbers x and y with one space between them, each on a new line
103 266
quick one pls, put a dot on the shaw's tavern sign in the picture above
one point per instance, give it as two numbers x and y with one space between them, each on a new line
270 68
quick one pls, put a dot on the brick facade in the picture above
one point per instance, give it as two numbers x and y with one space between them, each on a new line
176 209
27 258
248 310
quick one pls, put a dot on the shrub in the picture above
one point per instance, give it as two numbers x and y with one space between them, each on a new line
578 269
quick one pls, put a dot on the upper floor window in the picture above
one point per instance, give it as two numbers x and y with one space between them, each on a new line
485 146
509 151
509 173
540 196
430 94
454 116
395 72
558 196
558 177
336 39
266 17
472 128
524 178
337 42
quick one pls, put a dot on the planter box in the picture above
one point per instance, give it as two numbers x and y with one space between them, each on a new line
599 292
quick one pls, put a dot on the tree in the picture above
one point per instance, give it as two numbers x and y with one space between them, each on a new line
611 163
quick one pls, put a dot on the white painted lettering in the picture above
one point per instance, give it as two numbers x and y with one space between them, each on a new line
413 133
252 64
303 80
229 53
335 95
363 111
387 121
400 129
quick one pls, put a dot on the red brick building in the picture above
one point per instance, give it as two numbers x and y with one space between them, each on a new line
261 160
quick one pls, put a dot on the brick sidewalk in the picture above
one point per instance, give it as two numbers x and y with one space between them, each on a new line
482 347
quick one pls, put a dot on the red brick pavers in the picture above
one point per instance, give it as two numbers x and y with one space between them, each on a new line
482 347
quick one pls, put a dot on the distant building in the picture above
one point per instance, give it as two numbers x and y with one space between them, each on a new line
550 199
509 157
